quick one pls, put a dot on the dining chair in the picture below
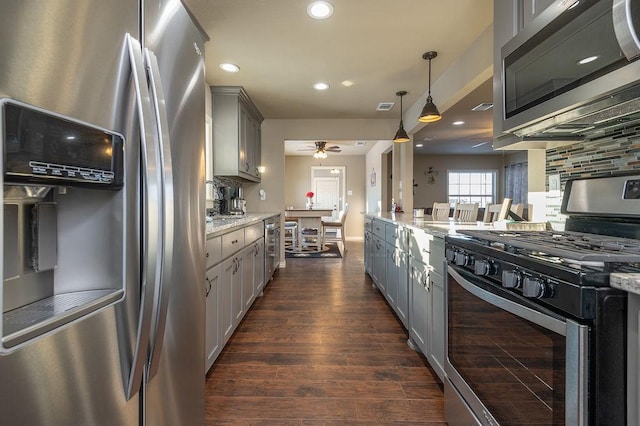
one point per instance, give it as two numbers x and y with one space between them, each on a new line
337 226
440 211
493 212
518 209
465 212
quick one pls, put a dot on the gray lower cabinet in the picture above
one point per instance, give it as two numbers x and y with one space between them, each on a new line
232 284
258 267
213 340
392 271
378 263
418 303
231 296
427 304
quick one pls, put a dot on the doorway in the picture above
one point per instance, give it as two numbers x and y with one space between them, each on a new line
329 183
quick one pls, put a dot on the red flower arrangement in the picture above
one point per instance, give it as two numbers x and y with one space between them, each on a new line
309 194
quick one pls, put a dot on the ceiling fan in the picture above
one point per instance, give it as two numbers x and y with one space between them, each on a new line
321 149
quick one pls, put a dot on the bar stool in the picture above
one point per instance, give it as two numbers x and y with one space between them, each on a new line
291 234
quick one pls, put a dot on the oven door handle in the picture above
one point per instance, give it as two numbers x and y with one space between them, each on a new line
523 312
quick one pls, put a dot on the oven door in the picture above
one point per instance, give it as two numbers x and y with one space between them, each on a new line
510 361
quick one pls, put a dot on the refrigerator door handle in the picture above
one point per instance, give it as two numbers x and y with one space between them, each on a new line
164 149
150 221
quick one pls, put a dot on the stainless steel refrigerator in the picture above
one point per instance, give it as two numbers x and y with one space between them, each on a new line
102 130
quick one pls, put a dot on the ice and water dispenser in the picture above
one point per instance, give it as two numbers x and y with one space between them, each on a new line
63 227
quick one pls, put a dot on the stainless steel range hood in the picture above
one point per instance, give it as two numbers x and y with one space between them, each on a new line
586 121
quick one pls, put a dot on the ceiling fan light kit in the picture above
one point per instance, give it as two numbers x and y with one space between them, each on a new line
321 149
401 134
430 111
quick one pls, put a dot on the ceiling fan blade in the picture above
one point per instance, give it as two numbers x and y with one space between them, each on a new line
333 149
307 149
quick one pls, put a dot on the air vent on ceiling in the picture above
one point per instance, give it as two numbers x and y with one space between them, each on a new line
482 107
360 143
385 106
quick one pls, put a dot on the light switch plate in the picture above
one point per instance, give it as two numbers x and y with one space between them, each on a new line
554 182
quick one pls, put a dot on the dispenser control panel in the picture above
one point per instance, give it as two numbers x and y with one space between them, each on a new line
42 147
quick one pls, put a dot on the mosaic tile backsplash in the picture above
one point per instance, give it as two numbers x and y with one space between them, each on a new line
616 152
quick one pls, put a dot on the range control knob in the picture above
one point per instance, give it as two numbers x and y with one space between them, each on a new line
535 288
462 259
450 254
511 279
484 267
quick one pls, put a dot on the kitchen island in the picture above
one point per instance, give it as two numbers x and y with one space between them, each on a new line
405 258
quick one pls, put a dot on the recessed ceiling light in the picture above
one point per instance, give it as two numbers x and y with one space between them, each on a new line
321 86
458 123
229 67
587 60
419 145
347 83
320 9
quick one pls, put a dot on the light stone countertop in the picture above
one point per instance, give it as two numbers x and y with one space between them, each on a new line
436 228
626 282
223 224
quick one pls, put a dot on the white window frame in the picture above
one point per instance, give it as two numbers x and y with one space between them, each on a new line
474 197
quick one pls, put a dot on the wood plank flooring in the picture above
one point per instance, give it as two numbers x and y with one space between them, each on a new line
322 347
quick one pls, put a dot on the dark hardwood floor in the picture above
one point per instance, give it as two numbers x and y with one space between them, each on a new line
321 347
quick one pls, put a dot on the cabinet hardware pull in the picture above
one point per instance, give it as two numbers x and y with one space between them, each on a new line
208 287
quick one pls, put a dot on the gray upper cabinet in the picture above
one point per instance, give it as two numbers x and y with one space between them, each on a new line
529 9
236 134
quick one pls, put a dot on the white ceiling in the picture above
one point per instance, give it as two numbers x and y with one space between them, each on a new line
376 44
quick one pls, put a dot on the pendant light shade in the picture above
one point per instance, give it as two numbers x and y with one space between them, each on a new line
430 111
401 134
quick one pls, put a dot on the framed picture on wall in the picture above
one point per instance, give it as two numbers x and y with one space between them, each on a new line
372 177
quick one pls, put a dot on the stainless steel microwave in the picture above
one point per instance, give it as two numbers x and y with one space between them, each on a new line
574 71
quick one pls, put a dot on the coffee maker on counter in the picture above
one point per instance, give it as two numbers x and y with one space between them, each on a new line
232 202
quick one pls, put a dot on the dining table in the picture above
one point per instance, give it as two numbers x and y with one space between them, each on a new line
310 238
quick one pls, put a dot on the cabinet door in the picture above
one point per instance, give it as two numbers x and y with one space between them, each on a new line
237 301
379 263
243 130
213 329
391 275
226 297
529 9
437 323
402 301
418 303
367 252
258 267
248 268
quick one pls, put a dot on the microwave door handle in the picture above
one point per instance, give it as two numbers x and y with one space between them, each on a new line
516 309
624 26
164 277
150 221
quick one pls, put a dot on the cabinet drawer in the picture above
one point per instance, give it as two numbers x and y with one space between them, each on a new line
368 224
379 228
232 242
213 251
420 244
253 232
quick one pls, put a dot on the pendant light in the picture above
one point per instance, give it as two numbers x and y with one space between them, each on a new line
430 111
401 134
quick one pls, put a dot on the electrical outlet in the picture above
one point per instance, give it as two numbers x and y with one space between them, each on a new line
554 182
